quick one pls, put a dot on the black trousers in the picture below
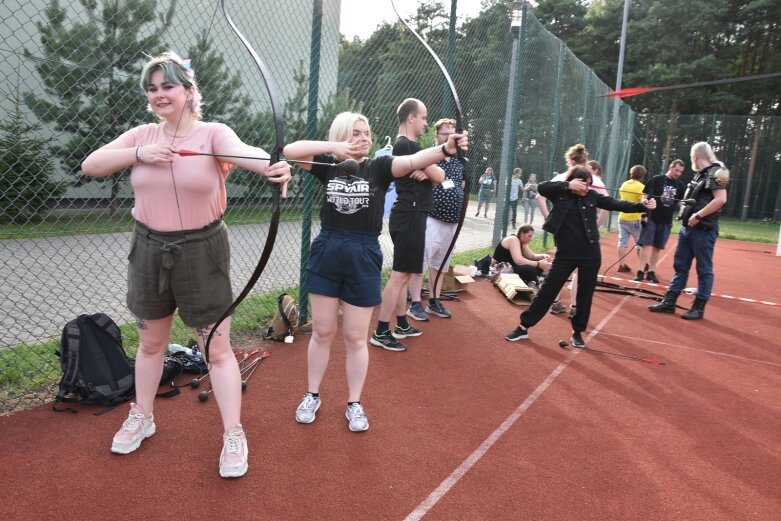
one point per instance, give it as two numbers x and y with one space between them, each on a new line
588 269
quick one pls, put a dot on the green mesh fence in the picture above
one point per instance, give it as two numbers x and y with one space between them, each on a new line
69 84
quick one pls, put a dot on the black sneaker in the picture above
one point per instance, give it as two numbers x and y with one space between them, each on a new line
640 276
651 277
623 268
435 307
577 340
557 307
401 332
519 333
386 341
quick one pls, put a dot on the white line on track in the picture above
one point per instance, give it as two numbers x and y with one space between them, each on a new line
718 353
443 488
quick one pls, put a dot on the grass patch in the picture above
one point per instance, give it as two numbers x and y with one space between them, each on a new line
29 372
99 221
765 231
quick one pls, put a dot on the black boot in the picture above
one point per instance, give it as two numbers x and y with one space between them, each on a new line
697 311
667 305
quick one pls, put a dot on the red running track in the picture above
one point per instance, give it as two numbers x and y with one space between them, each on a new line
464 425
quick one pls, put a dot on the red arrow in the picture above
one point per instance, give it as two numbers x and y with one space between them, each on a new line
634 91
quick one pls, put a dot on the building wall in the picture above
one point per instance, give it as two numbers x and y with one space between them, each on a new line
280 31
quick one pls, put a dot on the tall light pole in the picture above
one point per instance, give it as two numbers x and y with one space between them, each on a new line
610 172
517 14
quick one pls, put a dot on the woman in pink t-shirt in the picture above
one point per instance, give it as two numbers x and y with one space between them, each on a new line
179 255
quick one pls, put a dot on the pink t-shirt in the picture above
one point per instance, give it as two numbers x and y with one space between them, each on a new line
596 183
200 180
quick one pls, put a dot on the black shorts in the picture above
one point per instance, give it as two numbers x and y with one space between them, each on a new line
655 234
346 265
188 270
408 233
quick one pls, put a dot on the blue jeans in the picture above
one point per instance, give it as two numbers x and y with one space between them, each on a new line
694 244
528 210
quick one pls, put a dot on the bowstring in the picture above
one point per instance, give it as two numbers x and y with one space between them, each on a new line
173 176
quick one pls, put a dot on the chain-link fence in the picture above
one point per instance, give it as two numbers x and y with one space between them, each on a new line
69 83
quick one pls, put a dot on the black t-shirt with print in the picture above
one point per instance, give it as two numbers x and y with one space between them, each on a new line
412 195
670 191
354 202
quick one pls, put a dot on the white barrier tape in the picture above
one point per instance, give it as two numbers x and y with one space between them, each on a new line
693 291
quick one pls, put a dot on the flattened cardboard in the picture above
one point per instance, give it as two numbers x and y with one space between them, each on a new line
514 288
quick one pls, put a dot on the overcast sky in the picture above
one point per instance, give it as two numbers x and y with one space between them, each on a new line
361 17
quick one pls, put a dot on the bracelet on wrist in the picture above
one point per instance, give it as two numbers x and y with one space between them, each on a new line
444 151
138 155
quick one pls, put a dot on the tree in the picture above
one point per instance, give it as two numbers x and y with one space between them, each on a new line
671 42
90 74
26 167
564 18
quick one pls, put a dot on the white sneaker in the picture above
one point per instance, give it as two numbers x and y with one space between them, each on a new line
136 429
307 408
233 460
356 417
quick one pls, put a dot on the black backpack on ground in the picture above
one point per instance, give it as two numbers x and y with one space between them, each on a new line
95 367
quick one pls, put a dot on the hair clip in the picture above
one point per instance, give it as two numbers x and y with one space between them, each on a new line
187 64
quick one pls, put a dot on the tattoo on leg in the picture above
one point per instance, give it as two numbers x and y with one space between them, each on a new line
203 333
141 323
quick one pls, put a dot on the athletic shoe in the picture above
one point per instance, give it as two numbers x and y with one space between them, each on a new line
307 408
386 341
134 430
572 310
577 340
623 268
416 312
519 333
435 307
640 276
651 277
233 460
356 417
557 307
404 332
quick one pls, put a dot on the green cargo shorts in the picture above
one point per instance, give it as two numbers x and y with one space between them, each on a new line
188 270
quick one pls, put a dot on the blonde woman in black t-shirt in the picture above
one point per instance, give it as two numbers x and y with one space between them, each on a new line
346 260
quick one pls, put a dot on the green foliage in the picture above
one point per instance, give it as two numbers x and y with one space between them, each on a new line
26 167
671 42
90 72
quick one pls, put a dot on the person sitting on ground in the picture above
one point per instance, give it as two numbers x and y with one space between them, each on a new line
515 250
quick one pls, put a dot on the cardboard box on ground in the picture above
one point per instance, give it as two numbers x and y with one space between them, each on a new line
457 278
514 288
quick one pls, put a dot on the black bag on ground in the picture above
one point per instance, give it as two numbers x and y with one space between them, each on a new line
95 367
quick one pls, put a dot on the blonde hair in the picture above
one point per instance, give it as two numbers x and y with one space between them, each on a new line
517 172
576 155
444 121
174 71
342 126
